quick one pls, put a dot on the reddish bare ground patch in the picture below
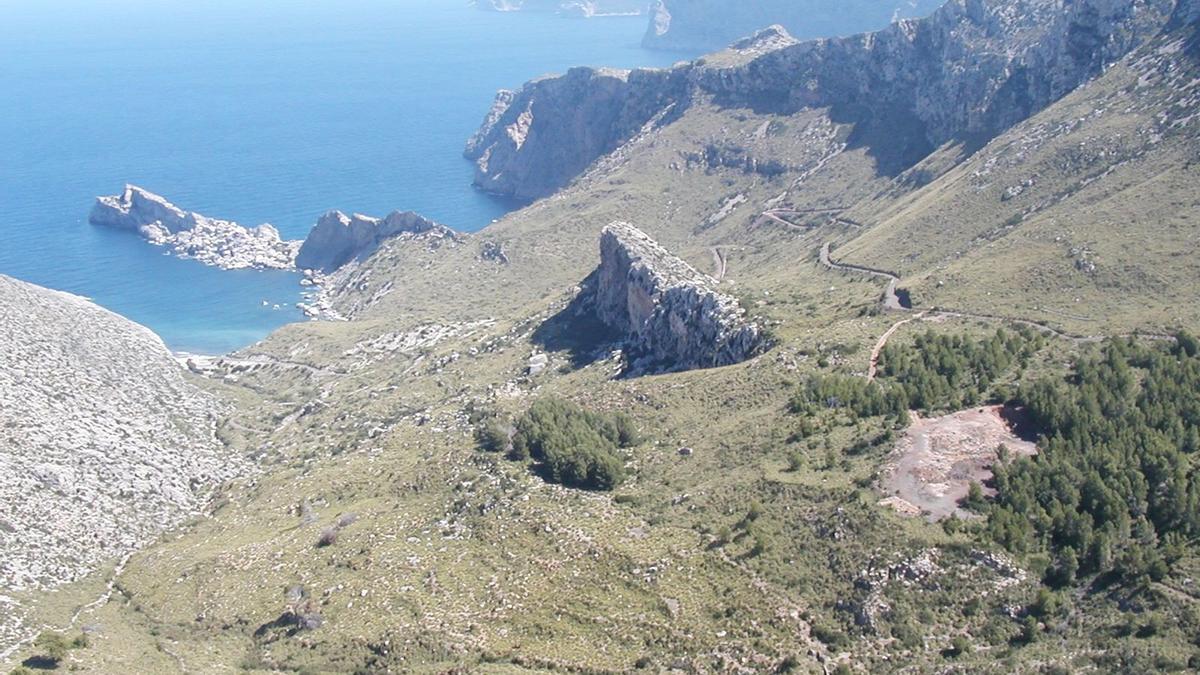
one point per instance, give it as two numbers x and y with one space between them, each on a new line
932 467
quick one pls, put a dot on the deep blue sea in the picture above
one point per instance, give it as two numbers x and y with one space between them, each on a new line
256 111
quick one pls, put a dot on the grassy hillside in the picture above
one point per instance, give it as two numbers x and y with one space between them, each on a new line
748 536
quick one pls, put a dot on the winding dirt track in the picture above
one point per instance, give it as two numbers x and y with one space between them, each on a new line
891 302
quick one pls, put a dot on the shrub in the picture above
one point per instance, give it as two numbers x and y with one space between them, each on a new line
958 646
51 647
492 436
576 447
329 537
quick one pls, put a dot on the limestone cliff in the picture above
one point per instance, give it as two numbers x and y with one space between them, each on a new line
672 316
708 25
338 238
103 443
221 243
533 141
966 72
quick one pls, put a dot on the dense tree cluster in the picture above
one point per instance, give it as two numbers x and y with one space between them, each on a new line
1115 487
859 396
955 371
576 447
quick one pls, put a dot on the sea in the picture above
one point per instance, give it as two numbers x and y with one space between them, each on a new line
255 111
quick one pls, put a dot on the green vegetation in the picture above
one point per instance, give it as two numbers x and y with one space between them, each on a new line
576 447
1116 487
947 372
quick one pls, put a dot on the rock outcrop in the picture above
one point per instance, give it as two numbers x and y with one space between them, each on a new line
968 71
221 243
103 443
672 316
583 8
709 25
338 238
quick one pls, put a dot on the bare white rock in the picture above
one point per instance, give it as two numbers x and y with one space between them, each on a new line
103 442
220 243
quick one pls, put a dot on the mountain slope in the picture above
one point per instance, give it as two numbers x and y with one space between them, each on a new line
103 442
748 537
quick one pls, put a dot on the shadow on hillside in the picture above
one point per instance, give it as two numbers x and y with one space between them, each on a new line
1020 423
577 331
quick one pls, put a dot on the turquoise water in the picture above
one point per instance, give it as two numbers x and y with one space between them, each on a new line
271 111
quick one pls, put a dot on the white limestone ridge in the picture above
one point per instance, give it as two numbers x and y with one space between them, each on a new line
103 442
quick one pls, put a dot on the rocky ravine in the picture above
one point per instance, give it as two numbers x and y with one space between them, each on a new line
967 72
672 316
708 25
221 243
103 443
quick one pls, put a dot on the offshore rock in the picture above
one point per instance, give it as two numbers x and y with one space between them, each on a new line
338 238
671 315
220 243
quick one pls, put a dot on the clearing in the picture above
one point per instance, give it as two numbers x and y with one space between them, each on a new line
932 467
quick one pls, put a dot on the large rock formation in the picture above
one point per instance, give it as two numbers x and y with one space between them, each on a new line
584 8
533 141
103 443
338 238
221 243
708 25
968 71
672 315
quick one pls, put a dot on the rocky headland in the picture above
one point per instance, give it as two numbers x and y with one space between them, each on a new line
533 141
103 442
671 315
212 241
580 8
338 238
968 71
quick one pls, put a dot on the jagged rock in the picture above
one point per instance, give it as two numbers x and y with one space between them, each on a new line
968 71
706 25
338 238
671 315
221 243
103 443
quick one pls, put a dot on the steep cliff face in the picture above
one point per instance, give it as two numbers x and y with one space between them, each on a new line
968 71
672 315
212 241
708 25
103 443
533 141
338 238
